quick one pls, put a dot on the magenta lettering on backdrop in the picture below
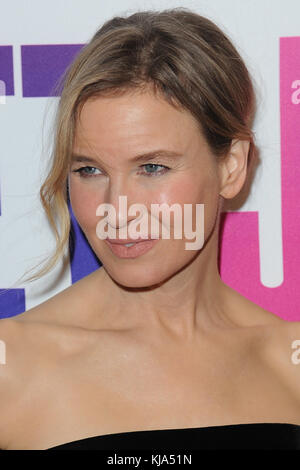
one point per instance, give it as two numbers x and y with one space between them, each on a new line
239 265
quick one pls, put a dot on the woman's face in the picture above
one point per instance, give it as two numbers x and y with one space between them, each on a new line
113 131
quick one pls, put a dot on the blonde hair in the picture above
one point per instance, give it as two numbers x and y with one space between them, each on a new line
183 56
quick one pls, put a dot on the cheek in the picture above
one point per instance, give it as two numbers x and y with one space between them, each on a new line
188 191
194 190
84 204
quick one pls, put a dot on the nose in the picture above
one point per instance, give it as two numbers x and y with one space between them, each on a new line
120 197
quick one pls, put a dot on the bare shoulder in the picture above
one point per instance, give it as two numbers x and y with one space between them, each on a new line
280 348
273 343
10 337
32 343
61 309
274 337
245 313
281 335
70 307
23 343
33 348
284 339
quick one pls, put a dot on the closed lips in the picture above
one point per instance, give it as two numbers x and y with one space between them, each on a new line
126 242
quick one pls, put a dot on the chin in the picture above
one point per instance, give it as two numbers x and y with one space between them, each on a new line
136 277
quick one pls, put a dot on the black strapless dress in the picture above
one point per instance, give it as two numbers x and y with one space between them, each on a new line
236 436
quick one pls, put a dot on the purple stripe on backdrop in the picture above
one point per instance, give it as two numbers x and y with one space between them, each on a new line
6 69
12 302
43 65
83 260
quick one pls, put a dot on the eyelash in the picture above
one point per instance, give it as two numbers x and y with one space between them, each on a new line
84 175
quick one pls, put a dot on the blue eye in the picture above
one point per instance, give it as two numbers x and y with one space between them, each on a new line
154 166
83 173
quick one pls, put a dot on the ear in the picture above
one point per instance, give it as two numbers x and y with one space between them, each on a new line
233 168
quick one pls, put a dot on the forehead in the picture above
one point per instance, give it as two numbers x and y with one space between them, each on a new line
136 121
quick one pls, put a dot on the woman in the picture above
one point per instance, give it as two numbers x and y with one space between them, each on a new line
157 107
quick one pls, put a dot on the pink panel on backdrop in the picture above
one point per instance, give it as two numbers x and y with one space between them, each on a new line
239 261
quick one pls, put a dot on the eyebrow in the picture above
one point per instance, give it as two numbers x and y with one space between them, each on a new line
153 155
